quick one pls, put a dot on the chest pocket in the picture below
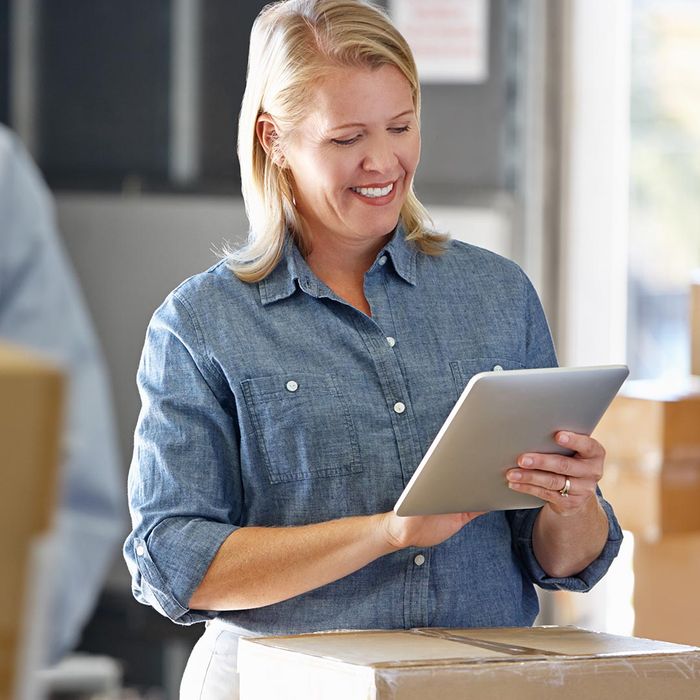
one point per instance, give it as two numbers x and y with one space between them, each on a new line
303 426
464 370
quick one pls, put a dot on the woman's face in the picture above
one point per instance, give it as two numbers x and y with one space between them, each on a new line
353 157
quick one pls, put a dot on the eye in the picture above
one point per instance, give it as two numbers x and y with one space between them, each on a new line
400 129
345 142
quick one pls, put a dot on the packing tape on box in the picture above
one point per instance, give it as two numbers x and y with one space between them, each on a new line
501 647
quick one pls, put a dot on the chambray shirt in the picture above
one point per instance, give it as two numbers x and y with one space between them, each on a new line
278 404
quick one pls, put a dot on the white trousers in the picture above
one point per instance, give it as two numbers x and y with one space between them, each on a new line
211 672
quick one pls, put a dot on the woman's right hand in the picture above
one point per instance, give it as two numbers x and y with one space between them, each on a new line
422 530
257 566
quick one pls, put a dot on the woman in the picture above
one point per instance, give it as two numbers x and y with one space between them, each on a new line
290 391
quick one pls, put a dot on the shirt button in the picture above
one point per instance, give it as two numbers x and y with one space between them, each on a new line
292 385
419 560
399 407
391 341
382 260
497 368
140 551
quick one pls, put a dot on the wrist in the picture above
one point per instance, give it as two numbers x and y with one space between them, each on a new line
385 533
590 508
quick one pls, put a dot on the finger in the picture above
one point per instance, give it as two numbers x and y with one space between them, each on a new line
546 480
551 481
559 464
584 445
470 515
552 496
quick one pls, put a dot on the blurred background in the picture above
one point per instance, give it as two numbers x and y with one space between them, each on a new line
570 142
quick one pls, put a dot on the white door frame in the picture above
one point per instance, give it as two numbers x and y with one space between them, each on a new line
592 308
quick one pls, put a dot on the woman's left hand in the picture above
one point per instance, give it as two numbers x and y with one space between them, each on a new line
566 483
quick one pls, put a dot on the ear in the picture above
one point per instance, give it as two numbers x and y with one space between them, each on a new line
266 131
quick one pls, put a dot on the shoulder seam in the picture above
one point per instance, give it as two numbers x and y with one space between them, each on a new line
201 339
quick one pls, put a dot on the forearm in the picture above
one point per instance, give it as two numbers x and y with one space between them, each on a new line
566 544
259 566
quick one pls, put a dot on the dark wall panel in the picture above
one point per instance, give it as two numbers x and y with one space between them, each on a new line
4 61
104 86
104 99
463 125
226 26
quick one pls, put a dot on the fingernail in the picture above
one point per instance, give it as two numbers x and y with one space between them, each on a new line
563 438
526 461
514 476
511 485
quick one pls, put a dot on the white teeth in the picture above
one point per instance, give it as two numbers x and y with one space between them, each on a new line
374 191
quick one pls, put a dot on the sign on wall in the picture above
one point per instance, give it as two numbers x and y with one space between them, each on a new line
449 38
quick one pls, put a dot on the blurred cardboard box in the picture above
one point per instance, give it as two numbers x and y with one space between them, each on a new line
651 433
538 663
652 478
666 576
30 418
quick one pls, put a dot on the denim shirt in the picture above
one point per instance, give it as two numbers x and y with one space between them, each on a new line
279 404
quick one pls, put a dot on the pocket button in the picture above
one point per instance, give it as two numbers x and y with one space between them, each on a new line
292 385
497 368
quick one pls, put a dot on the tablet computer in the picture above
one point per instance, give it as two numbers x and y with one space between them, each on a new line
501 415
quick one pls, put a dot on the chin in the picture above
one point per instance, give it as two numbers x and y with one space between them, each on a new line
379 225
384 228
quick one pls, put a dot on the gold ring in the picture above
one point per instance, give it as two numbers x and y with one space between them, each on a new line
565 491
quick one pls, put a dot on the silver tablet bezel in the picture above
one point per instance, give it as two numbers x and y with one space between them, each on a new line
499 415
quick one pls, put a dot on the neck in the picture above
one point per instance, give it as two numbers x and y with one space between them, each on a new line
342 266
345 259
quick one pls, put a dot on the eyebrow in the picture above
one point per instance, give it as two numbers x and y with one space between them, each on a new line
345 126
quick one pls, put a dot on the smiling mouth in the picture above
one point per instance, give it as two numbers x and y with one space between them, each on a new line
374 192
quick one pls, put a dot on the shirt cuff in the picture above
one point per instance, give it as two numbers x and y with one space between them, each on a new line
523 524
168 585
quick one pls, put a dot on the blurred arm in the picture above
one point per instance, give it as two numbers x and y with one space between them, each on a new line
41 307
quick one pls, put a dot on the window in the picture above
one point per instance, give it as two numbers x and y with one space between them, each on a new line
664 242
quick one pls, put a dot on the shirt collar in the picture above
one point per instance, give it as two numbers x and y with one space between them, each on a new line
292 270
403 255
281 282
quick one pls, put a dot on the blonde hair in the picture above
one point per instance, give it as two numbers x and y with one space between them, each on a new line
292 45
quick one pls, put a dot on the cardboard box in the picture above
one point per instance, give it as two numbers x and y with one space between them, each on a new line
651 433
652 478
666 601
539 663
30 410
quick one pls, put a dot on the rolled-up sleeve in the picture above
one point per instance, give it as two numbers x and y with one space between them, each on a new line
541 353
522 523
184 479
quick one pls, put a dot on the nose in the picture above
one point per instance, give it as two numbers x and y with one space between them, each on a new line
380 155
